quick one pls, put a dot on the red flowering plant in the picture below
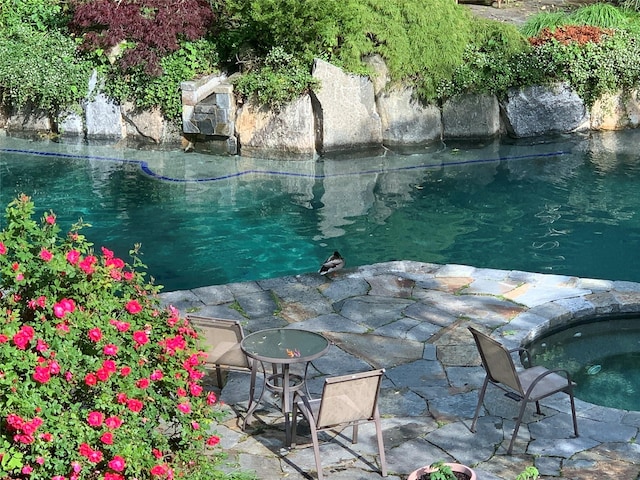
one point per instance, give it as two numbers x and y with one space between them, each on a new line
97 381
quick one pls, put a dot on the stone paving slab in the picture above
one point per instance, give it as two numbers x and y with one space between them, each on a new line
411 318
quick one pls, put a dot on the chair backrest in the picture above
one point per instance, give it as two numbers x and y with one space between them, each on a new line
221 340
497 361
349 398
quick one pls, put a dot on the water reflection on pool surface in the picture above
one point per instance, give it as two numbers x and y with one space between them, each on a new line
566 205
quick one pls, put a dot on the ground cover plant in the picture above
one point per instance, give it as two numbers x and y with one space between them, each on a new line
97 381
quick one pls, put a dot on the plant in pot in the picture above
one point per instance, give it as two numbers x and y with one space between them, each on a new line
443 471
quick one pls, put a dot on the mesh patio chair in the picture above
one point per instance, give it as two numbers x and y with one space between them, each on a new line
528 385
222 341
346 401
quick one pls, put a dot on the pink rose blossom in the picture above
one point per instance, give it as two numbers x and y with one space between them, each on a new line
142 383
110 349
73 256
50 219
184 407
41 374
46 255
140 337
3 249
133 307
113 422
91 379
212 441
95 456
95 419
134 405
107 438
156 375
117 463
95 334
84 449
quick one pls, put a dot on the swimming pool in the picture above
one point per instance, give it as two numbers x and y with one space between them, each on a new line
566 205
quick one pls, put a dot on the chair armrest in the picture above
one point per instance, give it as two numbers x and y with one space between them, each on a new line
521 350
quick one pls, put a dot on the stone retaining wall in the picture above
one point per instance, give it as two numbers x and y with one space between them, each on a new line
346 113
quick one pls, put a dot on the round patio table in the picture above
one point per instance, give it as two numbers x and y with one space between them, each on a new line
281 347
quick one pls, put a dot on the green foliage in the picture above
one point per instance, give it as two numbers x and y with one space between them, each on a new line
40 15
537 23
599 14
42 69
529 473
421 42
98 380
307 28
602 15
441 471
147 91
488 62
281 79
592 69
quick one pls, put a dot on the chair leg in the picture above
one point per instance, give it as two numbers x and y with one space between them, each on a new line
294 422
573 413
219 376
517 427
316 448
354 436
383 460
480 400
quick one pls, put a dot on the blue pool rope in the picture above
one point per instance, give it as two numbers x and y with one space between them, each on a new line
144 166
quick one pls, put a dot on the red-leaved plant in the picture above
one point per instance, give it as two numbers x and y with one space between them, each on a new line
97 381
146 29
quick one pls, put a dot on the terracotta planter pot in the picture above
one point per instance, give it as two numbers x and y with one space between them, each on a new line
455 467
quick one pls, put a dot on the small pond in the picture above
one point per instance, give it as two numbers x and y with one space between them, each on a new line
601 354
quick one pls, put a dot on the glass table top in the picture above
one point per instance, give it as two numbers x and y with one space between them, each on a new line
285 345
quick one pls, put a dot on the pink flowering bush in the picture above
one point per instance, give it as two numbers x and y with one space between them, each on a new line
96 380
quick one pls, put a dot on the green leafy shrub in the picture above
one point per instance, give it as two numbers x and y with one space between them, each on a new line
421 42
191 60
42 69
487 64
593 69
98 381
40 15
282 78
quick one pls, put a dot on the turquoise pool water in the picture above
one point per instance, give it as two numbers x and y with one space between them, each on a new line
567 205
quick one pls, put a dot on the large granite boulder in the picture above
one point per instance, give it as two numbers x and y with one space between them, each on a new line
281 133
542 110
29 119
344 109
145 124
406 120
616 111
471 117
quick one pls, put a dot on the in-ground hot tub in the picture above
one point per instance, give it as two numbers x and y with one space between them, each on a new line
602 354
